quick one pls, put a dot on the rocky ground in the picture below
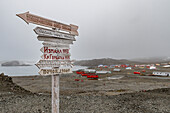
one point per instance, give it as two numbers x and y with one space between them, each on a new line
128 94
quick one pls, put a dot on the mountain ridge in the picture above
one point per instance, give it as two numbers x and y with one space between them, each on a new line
103 61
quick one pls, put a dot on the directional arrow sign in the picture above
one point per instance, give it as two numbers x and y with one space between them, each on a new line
51 39
55 57
57 45
55 71
53 33
53 63
30 18
54 50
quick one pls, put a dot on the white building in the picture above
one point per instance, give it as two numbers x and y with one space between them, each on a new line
100 65
117 70
152 67
161 73
89 70
129 68
167 66
102 72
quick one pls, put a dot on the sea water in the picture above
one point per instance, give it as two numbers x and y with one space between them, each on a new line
26 70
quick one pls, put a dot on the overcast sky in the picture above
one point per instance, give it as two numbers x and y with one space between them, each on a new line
107 28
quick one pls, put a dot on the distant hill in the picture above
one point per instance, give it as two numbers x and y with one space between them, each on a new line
152 59
103 61
14 63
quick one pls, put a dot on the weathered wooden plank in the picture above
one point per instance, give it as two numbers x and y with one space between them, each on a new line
55 57
53 44
53 33
54 40
54 63
63 50
30 18
55 93
45 72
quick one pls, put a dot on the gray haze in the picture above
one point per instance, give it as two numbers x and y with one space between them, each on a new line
107 28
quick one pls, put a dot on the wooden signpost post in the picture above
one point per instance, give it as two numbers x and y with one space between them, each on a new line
56 57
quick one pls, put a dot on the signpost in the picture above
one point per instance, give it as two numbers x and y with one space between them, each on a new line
56 57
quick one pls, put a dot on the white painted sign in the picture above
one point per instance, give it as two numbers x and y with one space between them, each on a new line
51 44
53 33
55 50
54 63
45 72
51 39
55 57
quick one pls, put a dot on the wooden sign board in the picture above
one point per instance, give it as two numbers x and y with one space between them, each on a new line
54 50
51 39
55 57
30 18
45 72
43 66
54 63
53 33
57 45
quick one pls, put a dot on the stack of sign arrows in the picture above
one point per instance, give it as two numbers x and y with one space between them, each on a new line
56 44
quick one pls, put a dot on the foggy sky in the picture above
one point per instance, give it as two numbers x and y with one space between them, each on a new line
107 28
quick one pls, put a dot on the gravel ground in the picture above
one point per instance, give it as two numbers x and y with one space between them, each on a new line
126 95
155 101
25 103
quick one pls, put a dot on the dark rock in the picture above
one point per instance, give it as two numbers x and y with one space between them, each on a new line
2 74
14 63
